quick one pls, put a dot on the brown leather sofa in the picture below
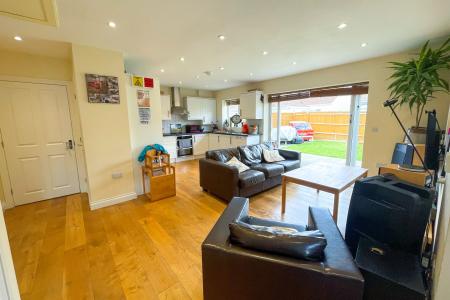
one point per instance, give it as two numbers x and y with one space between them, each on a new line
226 182
233 272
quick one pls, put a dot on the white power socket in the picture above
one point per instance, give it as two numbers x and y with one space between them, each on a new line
116 175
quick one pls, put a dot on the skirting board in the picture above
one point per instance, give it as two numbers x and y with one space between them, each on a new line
111 201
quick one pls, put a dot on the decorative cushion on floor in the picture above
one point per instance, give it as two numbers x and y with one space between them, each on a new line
272 156
250 178
307 245
236 163
289 165
269 170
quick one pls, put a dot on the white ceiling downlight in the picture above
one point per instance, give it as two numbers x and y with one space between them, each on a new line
342 26
18 38
112 24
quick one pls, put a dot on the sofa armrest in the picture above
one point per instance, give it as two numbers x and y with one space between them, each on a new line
260 275
338 257
219 178
289 154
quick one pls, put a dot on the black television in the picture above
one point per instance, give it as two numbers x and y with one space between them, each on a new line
389 211
432 143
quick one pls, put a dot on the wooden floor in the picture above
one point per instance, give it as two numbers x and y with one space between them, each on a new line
134 250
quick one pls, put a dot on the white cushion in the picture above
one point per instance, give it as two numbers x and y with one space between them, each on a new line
236 163
272 155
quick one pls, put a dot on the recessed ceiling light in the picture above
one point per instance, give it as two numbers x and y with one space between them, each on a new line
265 53
342 26
251 74
294 62
18 38
363 45
225 80
221 68
162 70
198 76
112 24
180 82
181 58
221 37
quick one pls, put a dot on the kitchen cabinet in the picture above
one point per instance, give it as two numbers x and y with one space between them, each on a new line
200 143
170 143
214 141
209 111
251 105
237 141
203 109
165 107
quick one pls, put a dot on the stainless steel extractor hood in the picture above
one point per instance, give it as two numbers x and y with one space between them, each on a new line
177 103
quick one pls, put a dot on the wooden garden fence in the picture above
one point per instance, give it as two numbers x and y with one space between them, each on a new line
332 126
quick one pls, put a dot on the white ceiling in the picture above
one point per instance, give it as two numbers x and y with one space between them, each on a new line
155 34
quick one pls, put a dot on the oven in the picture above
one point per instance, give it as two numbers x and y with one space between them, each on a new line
184 145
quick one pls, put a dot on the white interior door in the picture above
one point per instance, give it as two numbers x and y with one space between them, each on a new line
37 135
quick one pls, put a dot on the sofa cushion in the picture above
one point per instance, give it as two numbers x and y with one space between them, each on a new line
250 178
252 155
224 155
234 162
269 170
307 245
289 165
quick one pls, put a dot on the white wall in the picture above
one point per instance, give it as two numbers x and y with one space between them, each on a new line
143 134
382 130
105 129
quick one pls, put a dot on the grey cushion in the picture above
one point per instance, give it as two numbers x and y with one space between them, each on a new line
250 178
269 169
252 155
289 165
223 155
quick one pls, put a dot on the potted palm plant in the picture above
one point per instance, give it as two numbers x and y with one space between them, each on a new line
416 81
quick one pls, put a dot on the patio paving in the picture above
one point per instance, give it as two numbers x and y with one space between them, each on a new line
308 159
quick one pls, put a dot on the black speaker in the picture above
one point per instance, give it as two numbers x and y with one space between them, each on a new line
403 154
390 274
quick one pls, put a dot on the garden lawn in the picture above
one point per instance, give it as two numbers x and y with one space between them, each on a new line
325 148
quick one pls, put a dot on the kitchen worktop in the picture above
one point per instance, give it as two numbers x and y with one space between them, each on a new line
217 132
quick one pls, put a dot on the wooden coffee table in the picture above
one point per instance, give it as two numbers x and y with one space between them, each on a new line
325 177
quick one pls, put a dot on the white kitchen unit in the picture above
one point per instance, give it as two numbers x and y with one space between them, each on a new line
214 141
203 109
200 143
209 111
165 107
237 141
251 105
253 139
170 143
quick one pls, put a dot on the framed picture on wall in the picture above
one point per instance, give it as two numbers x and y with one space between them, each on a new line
102 89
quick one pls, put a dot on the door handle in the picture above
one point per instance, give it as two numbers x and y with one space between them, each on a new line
69 145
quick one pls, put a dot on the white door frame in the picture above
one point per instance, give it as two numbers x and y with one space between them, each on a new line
8 281
353 131
80 161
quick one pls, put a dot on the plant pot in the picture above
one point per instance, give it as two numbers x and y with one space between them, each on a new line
417 134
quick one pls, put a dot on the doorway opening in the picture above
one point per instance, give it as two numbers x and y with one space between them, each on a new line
326 124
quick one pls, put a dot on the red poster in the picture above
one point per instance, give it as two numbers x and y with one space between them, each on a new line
148 82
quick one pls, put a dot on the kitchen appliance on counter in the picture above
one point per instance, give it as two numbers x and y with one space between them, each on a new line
176 128
194 129
184 145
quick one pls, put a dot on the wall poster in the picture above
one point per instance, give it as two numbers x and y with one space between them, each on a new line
144 103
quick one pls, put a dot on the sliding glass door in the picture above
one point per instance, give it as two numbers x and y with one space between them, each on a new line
325 128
